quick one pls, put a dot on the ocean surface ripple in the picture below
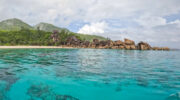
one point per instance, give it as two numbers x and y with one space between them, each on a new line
89 74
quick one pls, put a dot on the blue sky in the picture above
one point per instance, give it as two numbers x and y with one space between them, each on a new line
153 21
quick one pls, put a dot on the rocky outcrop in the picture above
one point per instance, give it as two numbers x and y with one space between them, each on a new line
118 43
103 43
127 44
160 48
73 41
86 44
55 36
110 43
95 43
143 46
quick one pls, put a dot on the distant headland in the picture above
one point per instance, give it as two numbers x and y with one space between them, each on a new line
15 33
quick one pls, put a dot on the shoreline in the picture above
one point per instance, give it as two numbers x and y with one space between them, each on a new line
33 47
54 47
73 42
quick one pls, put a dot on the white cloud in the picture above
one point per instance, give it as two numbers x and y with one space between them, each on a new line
94 28
151 21
176 22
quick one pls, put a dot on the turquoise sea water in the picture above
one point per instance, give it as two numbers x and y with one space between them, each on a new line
88 74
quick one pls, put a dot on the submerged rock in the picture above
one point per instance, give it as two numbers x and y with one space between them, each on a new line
118 89
65 97
175 96
44 92
7 76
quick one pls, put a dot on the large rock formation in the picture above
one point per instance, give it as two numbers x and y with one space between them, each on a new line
129 44
103 43
95 43
86 44
109 44
118 43
73 41
143 46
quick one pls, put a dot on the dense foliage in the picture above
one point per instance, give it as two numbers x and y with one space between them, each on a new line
32 37
90 37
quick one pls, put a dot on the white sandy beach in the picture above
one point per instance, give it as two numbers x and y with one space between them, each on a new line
19 47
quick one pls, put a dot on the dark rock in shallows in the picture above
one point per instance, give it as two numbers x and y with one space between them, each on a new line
175 96
65 97
44 92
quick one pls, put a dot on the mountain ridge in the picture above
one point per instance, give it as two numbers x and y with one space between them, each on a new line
15 24
48 27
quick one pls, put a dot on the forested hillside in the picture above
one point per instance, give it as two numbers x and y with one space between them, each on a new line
16 32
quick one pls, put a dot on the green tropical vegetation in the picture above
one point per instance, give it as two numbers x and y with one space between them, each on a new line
16 32
32 37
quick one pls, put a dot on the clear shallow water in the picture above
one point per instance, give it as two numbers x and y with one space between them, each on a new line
88 74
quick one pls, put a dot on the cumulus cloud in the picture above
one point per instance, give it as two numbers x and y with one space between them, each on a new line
176 22
151 21
93 28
